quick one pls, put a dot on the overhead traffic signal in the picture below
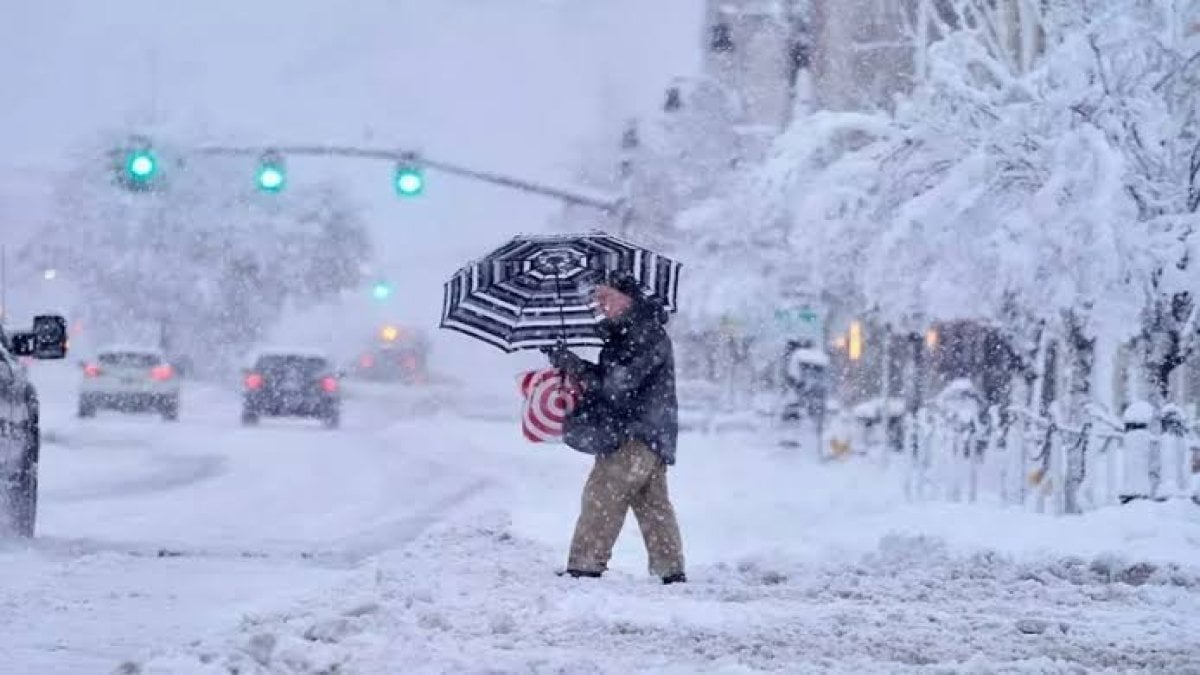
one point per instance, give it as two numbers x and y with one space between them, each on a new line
382 290
272 174
141 165
409 180
137 164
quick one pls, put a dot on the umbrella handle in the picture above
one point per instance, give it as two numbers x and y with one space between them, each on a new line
558 344
562 316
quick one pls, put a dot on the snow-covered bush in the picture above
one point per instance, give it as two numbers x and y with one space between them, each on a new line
1055 191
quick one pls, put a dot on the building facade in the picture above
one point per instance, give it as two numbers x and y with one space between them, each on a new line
778 55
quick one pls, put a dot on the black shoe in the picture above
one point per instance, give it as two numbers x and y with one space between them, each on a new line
575 574
679 578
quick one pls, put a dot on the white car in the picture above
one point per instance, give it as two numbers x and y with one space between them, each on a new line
129 380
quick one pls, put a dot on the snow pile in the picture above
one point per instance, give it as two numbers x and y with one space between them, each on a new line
795 566
429 544
479 598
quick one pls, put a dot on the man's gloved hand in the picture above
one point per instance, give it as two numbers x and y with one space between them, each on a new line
560 357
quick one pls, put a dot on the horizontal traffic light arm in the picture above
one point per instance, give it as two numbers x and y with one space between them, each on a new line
604 203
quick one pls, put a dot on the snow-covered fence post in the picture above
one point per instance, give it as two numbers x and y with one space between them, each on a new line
1056 474
1112 452
914 454
997 452
1176 455
912 433
962 463
1137 471
975 445
1075 470
961 460
1015 447
921 458
1042 477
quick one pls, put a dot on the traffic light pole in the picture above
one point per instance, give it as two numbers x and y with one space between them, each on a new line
568 196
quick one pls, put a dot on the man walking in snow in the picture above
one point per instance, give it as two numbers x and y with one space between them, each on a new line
629 396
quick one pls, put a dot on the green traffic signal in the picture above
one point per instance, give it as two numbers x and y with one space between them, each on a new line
382 290
270 179
135 165
141 165
271 175
409 181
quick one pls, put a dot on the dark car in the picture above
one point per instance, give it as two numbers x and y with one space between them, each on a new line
286 384
20 435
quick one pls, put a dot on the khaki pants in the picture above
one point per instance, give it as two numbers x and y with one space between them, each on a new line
633 477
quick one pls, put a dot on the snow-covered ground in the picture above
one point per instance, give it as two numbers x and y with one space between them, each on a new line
424 535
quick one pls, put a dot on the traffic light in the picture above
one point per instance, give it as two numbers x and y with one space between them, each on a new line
382 290
271 175
137 165
409 180
141 165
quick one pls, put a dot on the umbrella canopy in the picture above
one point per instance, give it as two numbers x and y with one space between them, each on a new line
535 290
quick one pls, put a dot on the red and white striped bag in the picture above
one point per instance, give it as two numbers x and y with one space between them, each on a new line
549 397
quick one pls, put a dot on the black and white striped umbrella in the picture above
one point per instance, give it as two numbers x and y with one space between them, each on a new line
536 290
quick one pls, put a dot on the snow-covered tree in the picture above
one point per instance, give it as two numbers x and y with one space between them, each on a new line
1034 193
1146 65
683 156
203 258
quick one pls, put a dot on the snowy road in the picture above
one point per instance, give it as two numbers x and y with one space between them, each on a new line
422 537
151 533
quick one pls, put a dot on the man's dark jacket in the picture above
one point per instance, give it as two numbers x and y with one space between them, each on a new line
634 379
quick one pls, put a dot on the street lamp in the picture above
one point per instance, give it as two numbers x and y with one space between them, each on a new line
932 338
855 346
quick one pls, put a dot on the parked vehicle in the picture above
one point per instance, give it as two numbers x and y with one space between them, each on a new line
20 434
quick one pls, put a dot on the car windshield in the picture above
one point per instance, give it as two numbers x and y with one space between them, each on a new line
307 365
129 360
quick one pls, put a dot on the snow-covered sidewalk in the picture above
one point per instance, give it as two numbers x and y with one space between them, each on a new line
795 566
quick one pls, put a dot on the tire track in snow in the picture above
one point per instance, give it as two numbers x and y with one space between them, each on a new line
168 472
344 552
347 552
373 541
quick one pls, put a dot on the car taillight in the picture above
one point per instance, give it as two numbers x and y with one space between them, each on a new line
254 381
161 373
366 361
329 384
91 370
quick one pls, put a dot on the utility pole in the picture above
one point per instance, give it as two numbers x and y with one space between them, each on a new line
630 142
